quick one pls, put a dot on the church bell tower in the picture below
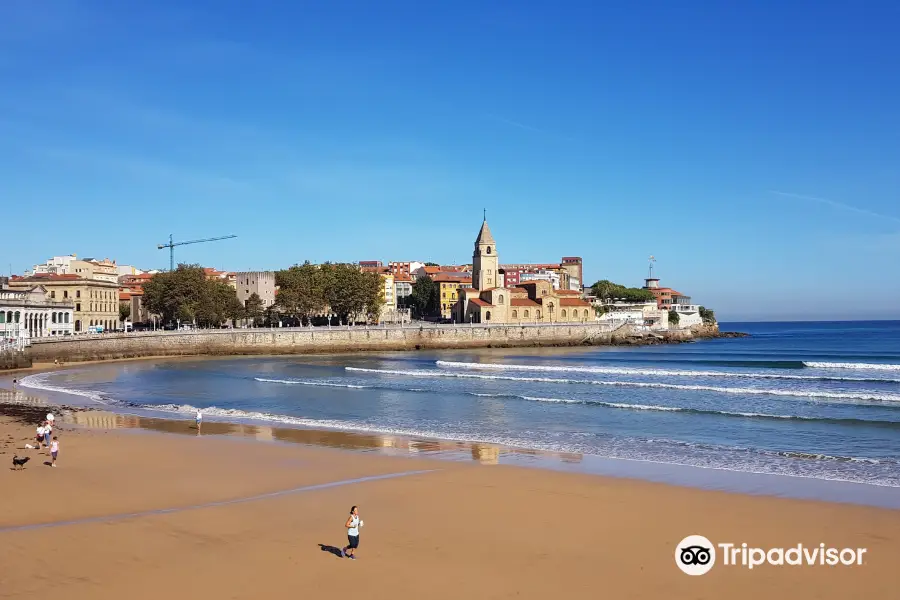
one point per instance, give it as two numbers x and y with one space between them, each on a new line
485 263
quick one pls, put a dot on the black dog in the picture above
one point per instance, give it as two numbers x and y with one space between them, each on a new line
19 463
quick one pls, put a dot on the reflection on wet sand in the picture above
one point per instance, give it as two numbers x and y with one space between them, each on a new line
486 454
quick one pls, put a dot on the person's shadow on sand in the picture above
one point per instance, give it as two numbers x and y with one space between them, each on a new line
331 550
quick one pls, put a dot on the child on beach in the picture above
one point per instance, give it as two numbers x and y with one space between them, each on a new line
39 435
54 450
353 524
199 419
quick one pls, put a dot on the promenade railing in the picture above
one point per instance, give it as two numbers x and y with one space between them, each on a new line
598 326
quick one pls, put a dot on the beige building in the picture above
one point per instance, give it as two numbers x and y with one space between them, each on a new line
96 301
489 301
261 283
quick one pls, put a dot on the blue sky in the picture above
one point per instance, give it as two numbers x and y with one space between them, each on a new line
752 149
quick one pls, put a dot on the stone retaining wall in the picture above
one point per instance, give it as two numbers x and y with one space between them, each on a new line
317 340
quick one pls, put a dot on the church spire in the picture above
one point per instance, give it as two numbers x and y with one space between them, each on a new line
484 236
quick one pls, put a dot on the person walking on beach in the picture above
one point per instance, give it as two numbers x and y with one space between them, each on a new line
199 419
48 431
39 435
54 450
353 524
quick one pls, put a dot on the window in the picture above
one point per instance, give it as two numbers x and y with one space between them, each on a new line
53 316
77 294
78 307
488 249
526 313
65 293
563 313
78 325
585 313
500 299
53 294
66 317
515 314
487 316
537 314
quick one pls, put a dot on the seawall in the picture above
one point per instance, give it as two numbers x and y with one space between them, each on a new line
220 342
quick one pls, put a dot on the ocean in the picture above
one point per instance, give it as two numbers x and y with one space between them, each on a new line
813 400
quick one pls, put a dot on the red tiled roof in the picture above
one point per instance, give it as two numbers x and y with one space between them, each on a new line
573 302
432 269
124 296
452 278
480 302
522 302
568 293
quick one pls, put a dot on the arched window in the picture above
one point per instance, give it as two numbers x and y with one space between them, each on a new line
487 316
78 325
563 313
500 300
585 313
488 249
53 316
515 314
537 314
526 313
66 317
18 316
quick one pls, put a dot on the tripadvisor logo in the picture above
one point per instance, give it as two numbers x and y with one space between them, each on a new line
696 555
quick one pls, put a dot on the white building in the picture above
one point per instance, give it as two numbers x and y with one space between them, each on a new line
28 314
639 314
88 268
128 270
688 313
58 265
542 275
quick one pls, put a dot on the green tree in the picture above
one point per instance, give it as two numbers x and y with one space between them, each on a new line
708 316
425 299
186 295
301 292
253 309
432 264
674 318
606 290
124 311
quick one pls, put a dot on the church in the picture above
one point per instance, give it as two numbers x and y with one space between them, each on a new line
489 301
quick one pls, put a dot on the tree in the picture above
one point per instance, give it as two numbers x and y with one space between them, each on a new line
343 289
124 311
425 296
301 291
606 290
674 318
432 264
186 295
253 309
708 316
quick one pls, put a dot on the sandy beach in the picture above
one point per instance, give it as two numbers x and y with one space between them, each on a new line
146 515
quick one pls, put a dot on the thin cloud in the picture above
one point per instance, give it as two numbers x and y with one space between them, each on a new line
527 127
836 204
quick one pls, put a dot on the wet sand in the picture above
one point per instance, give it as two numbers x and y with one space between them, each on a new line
146 515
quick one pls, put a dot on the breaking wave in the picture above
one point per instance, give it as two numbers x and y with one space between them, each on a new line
655 372
859 396
849 365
